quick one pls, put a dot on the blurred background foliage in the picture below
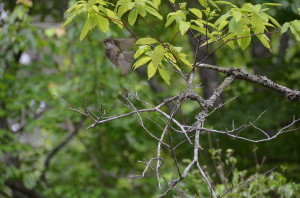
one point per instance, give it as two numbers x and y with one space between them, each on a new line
46 150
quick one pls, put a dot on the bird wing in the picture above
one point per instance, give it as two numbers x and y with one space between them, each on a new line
125 44
125 61
113 55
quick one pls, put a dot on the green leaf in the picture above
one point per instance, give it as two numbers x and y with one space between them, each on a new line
131 5
272 4
203 3
222 25
164 74
114 18
274 21
156 3
172 1
89 4
76 6
158 54
235 27
102 23
141 50
182 6
151 70
213 3
132 16
184 27
237 15
73 14
285 27
183 58
231 43
244 42
146 41
202 30
170 20
196 12
226 3
295 29
264 40
86 28
153 12
142 11
175 49
71 9
122 10
222 18
257 25
141 61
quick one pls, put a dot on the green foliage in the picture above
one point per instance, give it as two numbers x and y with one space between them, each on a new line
237 25
78 72
294 26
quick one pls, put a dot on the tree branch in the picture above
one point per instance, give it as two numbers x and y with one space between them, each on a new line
293 95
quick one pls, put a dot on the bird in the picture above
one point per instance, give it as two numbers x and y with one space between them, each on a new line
119 52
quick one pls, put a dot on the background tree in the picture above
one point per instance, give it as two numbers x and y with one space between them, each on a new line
101 160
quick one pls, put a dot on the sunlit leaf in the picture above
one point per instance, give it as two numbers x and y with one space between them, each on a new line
237 15
264 40
184 27
222 25
75 13
203 3
141 50
285 27
141 61
132 16
244 42
102 23
151 70
183 58
230 42
274 21
196 12
158 54
146 41
156 3
236 27
122 10
257 25
153 12
164 74
85 29
272 4
170 20
295 29
142 11
222 18
226 3
213 4
182 6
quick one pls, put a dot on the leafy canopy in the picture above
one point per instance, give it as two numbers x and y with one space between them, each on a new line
219 21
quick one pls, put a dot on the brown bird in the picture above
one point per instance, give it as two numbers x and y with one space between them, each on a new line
119 53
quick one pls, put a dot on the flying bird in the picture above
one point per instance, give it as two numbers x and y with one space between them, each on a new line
119 53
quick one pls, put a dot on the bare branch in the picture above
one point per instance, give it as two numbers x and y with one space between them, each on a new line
293 95
283 130
69 107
